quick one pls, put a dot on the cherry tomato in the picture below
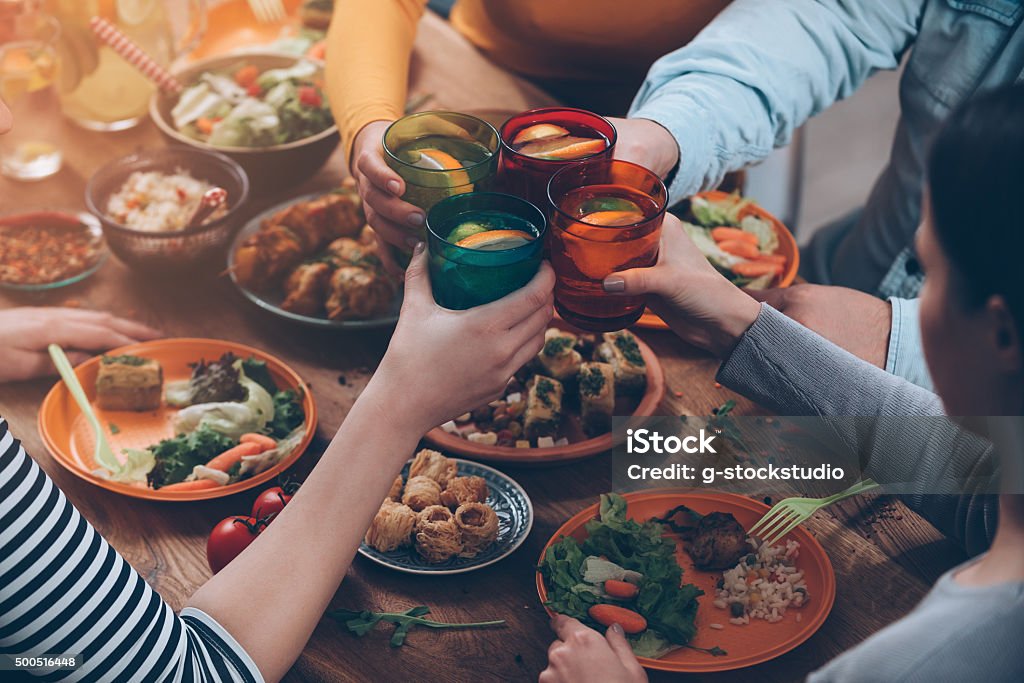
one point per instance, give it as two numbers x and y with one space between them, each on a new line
230 537
270 502
254 90
309 96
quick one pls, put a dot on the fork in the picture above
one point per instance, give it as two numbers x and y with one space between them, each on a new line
790 513
268 11
103 455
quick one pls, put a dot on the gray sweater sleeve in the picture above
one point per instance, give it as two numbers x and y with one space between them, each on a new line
794 372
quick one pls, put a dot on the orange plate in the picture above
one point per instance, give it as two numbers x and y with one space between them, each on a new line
787 247
747 645
70 440
576 450
231 25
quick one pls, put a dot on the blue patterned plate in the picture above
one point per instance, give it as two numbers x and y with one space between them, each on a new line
515 519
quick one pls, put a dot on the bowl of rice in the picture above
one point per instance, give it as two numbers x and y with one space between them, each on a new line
145 202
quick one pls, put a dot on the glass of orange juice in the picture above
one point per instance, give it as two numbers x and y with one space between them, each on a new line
28 69
98 89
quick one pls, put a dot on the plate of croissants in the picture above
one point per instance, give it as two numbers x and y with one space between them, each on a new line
448 516
314 260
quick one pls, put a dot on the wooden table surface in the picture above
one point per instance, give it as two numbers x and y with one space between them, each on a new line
885 557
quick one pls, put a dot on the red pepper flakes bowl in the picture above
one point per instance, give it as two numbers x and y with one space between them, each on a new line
47 249
170 251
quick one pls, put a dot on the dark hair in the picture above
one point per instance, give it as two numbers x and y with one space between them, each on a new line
976 174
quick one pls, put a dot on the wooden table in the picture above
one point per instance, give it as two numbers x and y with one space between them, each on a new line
885 557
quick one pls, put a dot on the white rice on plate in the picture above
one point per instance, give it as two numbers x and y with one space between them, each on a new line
764 584
153 201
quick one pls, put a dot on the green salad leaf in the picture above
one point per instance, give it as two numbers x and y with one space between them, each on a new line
668 605
176 457
288 414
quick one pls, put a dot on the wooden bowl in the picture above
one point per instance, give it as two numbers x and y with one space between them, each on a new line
270 167
642 409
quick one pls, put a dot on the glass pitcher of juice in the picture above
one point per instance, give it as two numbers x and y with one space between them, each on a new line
98 89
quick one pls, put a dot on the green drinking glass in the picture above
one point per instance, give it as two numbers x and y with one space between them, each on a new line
482 246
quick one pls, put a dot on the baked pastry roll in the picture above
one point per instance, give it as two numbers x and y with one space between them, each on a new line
429 463
436 536
559 357
306 289
129 383
421 492
396 489
620 350
543 407
391 528
354 292
478 527
464 490
597 397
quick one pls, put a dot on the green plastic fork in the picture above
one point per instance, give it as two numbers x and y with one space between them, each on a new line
790 513
103 455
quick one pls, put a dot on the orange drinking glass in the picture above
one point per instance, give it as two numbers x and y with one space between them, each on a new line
606 216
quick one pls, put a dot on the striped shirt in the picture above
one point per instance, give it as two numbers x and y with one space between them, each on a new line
64 591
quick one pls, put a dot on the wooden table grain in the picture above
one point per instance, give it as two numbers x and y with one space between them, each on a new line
885 557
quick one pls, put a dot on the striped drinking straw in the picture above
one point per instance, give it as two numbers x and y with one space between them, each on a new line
134 55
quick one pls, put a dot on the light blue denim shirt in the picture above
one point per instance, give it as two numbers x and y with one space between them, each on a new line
761 69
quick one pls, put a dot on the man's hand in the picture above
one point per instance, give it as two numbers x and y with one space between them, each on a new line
853 320
647 143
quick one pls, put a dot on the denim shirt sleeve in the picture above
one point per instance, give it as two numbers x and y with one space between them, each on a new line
761 69
906 356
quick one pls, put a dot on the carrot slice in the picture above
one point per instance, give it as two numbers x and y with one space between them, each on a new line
606 615
740 248
194 485
757 268
723 233
773 258
233 455
262 440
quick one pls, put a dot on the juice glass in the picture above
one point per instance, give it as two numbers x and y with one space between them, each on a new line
440 154
99 90
482 246
538 143
606 216
28 70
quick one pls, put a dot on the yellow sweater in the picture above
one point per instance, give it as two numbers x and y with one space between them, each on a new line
603 42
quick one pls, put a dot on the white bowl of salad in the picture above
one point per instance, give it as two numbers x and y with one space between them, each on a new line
266 110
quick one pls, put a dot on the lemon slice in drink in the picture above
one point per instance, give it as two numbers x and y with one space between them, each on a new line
539 131
563 148
437 160
464 230
495 240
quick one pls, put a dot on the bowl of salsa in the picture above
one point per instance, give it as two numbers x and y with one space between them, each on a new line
47 249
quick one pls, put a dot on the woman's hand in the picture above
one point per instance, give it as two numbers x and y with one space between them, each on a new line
26 332
697 302
443 363
581 654
395 222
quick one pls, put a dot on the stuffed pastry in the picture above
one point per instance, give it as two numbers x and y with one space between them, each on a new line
306 289
543 407
429 463
396 488
358 293
436 536
559 358
129 383
478 527
597 397
391 528
464 490
421 492
621 351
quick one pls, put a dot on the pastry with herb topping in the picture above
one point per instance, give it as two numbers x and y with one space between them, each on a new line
129 383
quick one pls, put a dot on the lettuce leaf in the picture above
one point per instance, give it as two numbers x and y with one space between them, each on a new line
137 465
230 418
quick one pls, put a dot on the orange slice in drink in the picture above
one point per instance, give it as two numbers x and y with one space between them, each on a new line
437 160
495 240
539 131
613 218
564 148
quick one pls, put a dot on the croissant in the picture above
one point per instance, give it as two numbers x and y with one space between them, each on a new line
421 492
432 464
464 490
478 527
391 528
437 536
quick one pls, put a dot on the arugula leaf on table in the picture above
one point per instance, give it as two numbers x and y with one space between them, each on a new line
362 622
